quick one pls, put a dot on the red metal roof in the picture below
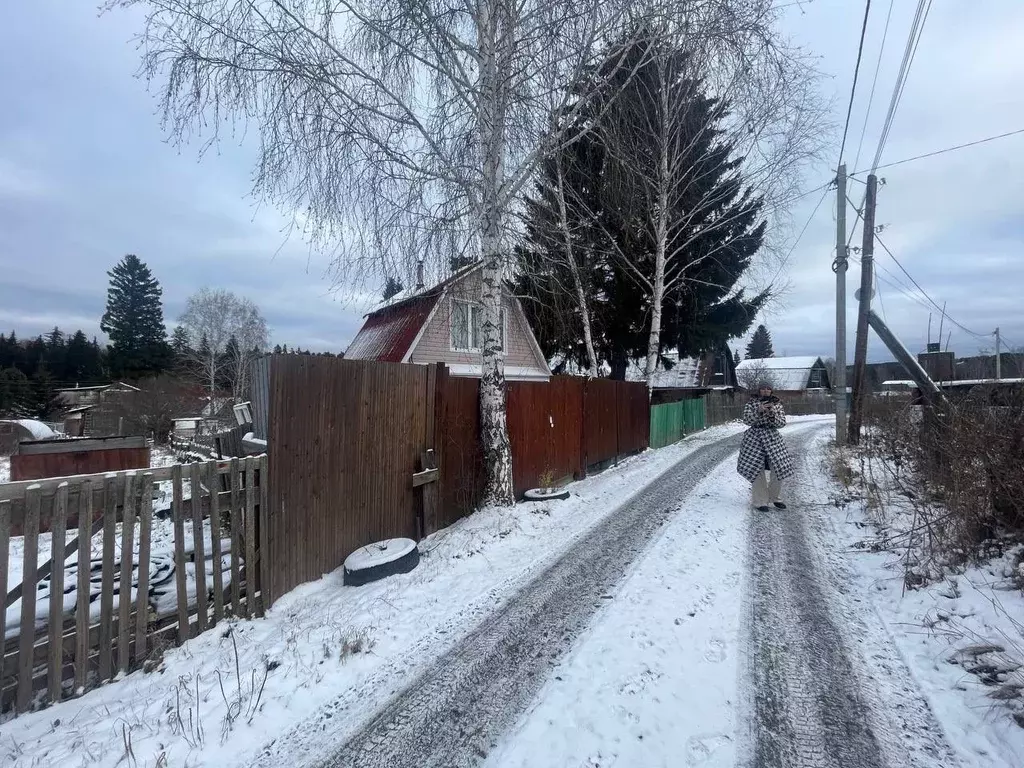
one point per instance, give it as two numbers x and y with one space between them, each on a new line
388 333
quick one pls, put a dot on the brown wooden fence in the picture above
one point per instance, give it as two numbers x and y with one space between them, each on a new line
564 427
346 438
183 574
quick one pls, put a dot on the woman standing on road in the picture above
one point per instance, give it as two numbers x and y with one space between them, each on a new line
763 451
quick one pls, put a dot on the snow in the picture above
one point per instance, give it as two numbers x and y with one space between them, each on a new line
381 553
930 626
788 373
37 429
5 469
684 373
325 649
654 681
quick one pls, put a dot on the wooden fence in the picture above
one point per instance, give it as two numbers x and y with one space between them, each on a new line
562 428
671 422
346 438
182 574
365 451
723 406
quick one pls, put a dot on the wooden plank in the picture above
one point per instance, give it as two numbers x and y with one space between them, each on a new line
85 510
424 477
431 490
89 444
213 483
180 580
145 536
249 530
16 490
199 548
107 581
263 553
33 501
56 622
236 539
5 552
124 597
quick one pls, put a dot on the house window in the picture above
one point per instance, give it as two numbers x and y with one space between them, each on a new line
467 333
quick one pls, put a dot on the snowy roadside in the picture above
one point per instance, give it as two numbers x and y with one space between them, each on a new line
930 627
221 697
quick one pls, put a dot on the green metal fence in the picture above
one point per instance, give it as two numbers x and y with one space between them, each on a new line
673 421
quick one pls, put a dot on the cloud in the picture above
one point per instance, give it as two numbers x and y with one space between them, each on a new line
87 175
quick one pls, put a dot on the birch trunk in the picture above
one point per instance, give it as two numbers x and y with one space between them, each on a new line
661 213
581 294
492 23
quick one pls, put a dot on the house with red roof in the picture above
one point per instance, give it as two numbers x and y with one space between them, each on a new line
442 325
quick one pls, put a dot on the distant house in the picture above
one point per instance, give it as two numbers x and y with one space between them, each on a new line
77 397
442 324
711 370
787 374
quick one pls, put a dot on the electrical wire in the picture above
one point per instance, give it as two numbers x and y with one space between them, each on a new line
785 259
874 83
944 151
856 72
909 53
917 285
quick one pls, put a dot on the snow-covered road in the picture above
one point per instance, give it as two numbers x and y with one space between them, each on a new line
684 630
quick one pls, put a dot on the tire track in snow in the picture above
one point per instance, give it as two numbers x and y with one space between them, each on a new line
809 710
455 712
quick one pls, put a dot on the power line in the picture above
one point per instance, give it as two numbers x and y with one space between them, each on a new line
909 53
856 71
874 83
799 237
917 285
947 149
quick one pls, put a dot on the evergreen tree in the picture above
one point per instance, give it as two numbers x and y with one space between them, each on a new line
82 361
760 345
715 225
392 287
736 356
56 353
134 321
46 403
277 349
16 395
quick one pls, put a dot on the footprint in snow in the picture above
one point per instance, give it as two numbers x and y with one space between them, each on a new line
700 748
715 652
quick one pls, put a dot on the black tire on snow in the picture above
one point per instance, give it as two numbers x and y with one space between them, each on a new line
536 494
377 561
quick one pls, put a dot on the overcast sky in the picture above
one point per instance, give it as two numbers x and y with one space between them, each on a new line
86 175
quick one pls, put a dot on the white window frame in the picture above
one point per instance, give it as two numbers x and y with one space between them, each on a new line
473 310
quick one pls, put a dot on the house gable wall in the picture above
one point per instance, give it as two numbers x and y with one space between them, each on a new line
434 344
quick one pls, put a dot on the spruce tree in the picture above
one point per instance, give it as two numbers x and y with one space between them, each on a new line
134 321
46 403
392 287
16 395
716 224
82 363
760 345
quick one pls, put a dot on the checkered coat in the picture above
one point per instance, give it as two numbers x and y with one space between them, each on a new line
762 446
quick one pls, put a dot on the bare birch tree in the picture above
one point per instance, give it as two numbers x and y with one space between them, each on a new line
225 332
768 114
399 129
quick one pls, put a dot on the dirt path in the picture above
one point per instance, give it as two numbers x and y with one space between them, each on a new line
816 703
454 714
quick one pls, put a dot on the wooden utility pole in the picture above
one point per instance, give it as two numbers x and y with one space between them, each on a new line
839 385
999 368
860 352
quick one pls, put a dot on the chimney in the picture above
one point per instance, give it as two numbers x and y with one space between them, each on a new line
419 275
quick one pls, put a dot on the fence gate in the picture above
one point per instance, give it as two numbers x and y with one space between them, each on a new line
346 437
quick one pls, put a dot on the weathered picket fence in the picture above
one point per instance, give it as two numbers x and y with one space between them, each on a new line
178 582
